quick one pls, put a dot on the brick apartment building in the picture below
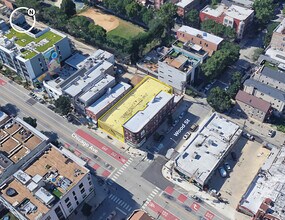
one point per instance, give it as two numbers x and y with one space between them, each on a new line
208 42
252 106
183 6
236 17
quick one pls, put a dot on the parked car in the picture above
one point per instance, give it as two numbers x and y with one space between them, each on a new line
234 156
227 167
51 107
196 198
271 133
248 136
194 127
222 172
186 135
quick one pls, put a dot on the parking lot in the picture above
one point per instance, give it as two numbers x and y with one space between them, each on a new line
250 156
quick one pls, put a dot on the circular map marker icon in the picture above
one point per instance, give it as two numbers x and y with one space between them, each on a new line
31 12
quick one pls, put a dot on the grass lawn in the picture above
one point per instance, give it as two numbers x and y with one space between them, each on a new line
271 66
24 39
126 30
57 193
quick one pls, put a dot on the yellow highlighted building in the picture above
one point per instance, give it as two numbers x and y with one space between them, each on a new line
133 102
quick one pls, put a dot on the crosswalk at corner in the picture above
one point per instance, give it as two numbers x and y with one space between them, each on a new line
150 197
122 169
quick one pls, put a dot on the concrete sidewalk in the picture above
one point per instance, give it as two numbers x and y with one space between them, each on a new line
169 173
94 200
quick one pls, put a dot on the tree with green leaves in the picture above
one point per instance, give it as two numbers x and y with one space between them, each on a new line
220 60
192 18
235 84
54 17
270 28
147 14
63 105
97 33
68 7
218 29
264 11
219 99
78 26
31 121
133 9
166 15
35 4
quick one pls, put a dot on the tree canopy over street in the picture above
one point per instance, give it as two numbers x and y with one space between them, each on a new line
63 105
192 18
68 7
235 84
220 60
31 121
264 11
219 99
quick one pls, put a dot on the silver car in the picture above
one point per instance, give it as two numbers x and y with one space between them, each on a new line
222 172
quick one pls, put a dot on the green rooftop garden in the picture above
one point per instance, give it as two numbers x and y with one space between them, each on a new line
24 39
270 65
178 44
28 54
57 193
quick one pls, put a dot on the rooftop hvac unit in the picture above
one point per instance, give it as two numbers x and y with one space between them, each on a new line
11 192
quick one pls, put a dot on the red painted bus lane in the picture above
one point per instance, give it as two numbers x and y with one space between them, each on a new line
96 143
2 82
161 211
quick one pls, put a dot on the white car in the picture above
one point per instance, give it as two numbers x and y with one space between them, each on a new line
186 135
271 133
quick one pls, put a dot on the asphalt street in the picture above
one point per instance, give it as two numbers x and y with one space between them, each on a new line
129 189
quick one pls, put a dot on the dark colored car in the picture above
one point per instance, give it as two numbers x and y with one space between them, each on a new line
234 156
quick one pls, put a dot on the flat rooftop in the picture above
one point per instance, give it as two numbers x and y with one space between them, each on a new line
141 118
269 183
233 11
79 83
270 91
179 60
97 55
204 35
17 139
75 60
102 84
207 148
134 101
281 27
277 75
30 46
184 3
108 98
276 54
3 117
40 186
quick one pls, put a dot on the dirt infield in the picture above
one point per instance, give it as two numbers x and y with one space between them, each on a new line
108 22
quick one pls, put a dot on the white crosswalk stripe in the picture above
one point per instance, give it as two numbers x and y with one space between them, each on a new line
121 170
120 202
150 197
